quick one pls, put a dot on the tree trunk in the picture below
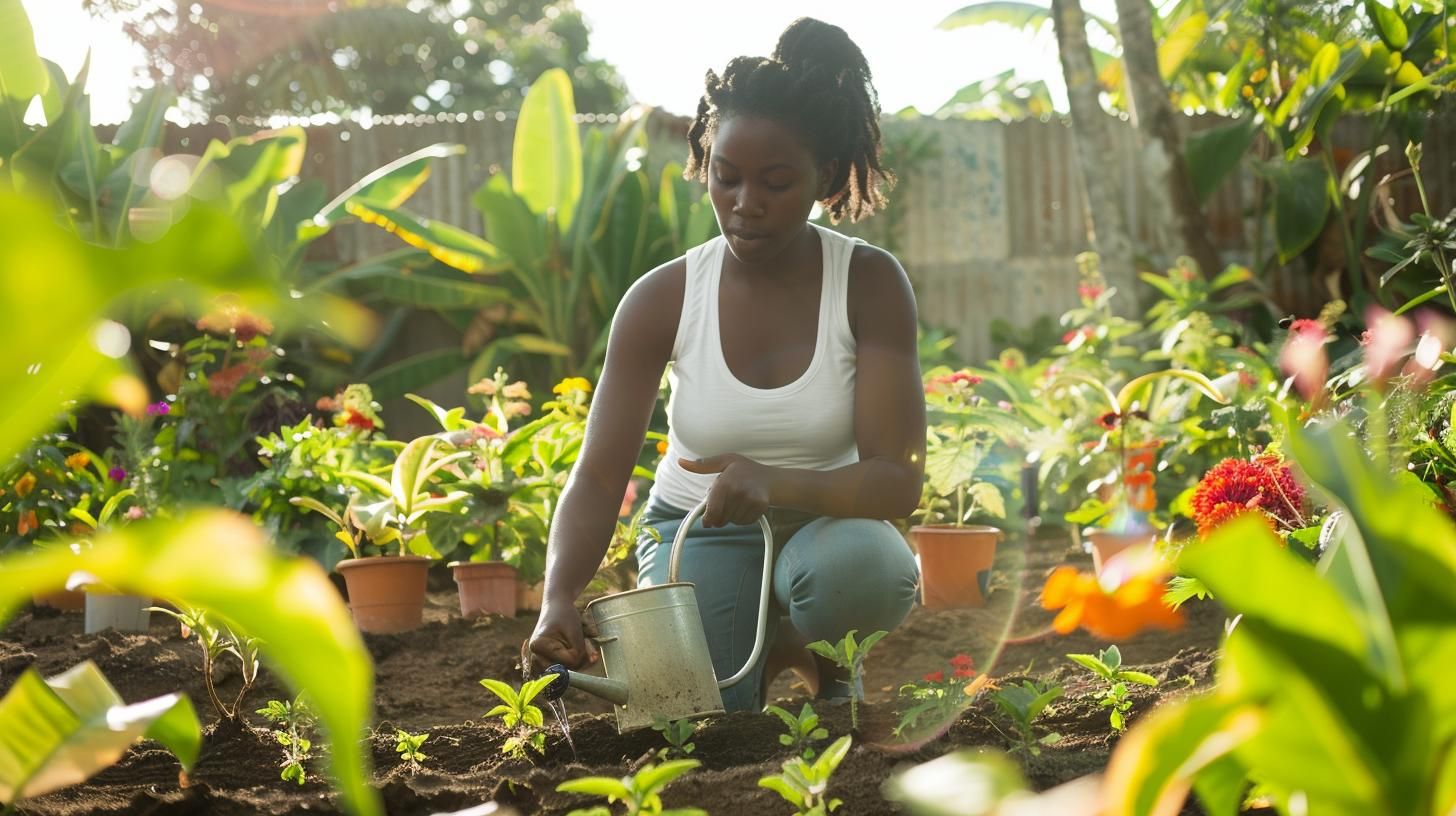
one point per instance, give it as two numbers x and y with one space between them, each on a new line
1092 130
1157 127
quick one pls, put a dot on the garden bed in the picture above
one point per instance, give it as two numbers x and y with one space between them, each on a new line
428 681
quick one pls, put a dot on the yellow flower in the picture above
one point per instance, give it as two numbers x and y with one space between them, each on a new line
78 461
1248 92
25 484
571 385
1259 75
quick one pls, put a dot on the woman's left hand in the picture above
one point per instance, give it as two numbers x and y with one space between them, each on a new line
739 495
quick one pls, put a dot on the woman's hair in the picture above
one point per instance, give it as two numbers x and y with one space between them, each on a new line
818 83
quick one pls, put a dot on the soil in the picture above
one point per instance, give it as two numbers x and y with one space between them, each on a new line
428 680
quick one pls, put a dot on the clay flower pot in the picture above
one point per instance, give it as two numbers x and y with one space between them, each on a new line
955 564
486 588
1106 544
66 600
528 596
386 592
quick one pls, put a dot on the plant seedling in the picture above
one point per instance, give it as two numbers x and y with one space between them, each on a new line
216 641
804 729
516 712
849 655
408 746
940 696
1023 704
295 725
677 733
1107 665
640 792
803 784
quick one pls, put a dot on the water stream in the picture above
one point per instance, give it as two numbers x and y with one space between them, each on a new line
558 707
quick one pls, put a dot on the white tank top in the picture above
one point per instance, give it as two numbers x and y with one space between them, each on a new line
807 424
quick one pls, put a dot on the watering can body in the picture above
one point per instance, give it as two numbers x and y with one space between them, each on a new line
654 651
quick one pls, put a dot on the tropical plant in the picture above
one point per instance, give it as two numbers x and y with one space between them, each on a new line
1022 704
849 655
566 233
400 517
1426 241
677 733
293 721
962 430
217 640
805 784
1107 666
804 729
523 721
641 792
59 731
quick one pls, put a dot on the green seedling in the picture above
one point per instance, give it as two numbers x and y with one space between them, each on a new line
640 792
1023 704
217 640
804 729
804 784
677 733
524 720
1107 665
849 655
293 725
408 747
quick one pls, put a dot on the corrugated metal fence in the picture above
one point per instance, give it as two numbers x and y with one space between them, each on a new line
989 222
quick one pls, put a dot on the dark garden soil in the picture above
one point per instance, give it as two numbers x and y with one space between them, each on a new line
428 680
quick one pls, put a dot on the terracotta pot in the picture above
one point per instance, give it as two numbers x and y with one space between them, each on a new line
1105 545
486 588
66 600
386 592
955 564
528 596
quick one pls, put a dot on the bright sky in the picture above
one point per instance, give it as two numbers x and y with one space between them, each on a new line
663 47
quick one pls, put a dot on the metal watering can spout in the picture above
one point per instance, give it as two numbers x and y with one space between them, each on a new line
654 650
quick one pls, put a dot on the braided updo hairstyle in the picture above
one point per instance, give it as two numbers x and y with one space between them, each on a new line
818 83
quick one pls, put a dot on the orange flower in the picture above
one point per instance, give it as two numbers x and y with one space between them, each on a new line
77 461
25 484
28 522
1126 599
662 447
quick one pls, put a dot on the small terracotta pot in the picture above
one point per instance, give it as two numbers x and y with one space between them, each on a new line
486 588
386 592
528 596
955 564
66 600
1106 544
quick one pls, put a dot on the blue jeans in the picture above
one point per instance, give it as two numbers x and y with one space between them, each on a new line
830 575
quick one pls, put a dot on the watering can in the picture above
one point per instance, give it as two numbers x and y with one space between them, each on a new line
653 648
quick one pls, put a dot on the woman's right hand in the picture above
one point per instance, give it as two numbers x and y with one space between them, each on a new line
558 638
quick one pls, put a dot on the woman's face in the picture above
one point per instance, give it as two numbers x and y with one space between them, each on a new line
763 182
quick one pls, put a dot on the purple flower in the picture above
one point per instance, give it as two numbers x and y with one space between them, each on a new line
116 474
159 409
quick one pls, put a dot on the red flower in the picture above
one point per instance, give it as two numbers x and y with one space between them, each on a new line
935 677
1109 420
224 382
1234 486
962 661
1086 333
1089 291
1311 329
354 419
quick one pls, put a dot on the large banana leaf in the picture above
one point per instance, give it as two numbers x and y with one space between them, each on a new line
450 245
1017 15
390 185
62 730
546 153
220 561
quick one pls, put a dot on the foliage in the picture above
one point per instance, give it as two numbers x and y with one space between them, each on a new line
52 487
61 730
962 430
1107 666
849 654
294 723
217 640
1023 704
407 745
287 604
1423 242
804 729
566 234
1339 703
976 782
677 733
939 697
523 720
804 783
409 497
389 58
640 792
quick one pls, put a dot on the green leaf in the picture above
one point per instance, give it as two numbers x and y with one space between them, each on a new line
1214 154
143 129
511 226
415 373
596 786
22 74
1129 392
1013 14
427 291
1389 24
286 603
1090 663
1138 677
448 244
1301 203
1156 760
546 155
391 185
654 778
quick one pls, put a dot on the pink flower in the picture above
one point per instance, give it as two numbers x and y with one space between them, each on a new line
1386 341
135 512
116 474
159 409
1303 358
628 499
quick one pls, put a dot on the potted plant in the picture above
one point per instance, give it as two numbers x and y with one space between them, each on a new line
387 591
955 556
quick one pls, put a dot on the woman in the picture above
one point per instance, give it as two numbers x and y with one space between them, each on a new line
795 386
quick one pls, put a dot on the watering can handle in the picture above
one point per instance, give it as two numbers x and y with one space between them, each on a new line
764 594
